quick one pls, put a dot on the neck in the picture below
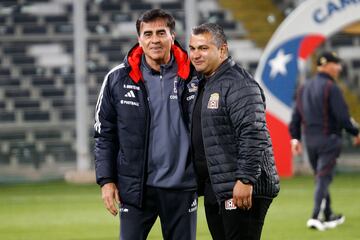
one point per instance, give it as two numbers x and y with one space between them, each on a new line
155 64
207 75
329 74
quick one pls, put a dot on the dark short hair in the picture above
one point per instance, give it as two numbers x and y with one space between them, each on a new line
216 31
154 14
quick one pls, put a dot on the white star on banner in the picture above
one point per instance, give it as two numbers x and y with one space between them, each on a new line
278 64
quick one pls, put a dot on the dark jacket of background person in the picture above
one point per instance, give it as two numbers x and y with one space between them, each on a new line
321 108
122 130
235 147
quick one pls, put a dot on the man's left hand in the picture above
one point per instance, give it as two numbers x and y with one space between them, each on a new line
242 195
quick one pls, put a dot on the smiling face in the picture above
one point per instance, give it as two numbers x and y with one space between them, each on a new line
204 54
156 40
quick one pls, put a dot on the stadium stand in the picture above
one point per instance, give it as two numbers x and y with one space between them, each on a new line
37 101
37 86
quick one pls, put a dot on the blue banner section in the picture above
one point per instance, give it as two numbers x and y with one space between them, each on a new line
281 68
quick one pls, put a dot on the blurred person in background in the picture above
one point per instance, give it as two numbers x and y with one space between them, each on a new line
320 114
231 146
142 142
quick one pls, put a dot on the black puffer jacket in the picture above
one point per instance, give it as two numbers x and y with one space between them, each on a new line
236 139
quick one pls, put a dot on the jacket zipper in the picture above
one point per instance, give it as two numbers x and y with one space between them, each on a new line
179 93
202 136
146 148
161 86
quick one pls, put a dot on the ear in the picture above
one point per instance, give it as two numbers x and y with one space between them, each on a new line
223 51
173 37
139 42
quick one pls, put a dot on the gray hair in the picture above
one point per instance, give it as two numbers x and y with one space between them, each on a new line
154 14
216 31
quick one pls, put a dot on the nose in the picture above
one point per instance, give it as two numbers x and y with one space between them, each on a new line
194 54
155 39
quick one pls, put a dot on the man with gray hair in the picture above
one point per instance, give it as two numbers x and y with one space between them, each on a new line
142 144
231 145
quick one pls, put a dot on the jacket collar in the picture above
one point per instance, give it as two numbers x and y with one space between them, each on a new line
145 65
133 58
325 75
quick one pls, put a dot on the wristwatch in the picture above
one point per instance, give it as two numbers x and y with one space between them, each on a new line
245 181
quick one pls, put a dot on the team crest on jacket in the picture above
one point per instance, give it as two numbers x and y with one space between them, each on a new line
213 101
192 87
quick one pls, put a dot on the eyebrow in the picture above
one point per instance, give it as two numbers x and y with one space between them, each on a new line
157 31
200 46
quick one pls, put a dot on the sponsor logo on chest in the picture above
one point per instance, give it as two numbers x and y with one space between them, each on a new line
130 86
130 95
193 87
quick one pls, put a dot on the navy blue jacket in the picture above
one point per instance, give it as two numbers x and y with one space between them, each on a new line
320 109
122 125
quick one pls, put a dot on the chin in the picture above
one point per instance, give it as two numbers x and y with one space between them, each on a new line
157 56
200 70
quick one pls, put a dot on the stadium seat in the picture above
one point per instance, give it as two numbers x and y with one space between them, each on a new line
10 136
57 19
67 114
42 81
2 106
62 103
34 29
24 19
7 117
2 20
17 93
52 92
341 40
26 153
23 60
4 158
139 6
14 48
36 115
26 103
7 30
32 70
93 18
108 6
4 72
356 63
68 80
62 152
172 6
117 17
64 28
50 134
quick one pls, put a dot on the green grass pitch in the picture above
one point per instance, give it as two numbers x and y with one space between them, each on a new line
59 211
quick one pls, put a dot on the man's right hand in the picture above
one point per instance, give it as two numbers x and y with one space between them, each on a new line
356 140
110 196
296 147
